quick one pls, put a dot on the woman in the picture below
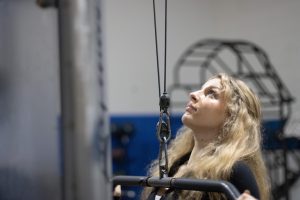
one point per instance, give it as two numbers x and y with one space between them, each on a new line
221 140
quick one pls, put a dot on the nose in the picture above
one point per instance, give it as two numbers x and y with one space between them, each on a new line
194 96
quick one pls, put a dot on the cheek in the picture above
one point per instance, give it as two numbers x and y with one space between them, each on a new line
215 108
217 113
222 115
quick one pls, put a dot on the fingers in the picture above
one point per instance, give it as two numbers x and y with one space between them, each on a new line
247 191
117 191
246 196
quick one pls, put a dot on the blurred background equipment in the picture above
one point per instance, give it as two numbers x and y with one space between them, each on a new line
55 139
86 144
121 134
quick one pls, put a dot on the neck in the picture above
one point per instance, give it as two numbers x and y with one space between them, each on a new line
202 139
205 136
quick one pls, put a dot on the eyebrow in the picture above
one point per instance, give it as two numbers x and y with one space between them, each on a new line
211 87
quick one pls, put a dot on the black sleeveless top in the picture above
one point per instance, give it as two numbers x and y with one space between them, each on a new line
241 177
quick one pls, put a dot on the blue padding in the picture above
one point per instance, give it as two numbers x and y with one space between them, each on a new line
270 131
271 136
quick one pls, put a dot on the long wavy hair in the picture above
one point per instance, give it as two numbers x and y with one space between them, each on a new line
238 140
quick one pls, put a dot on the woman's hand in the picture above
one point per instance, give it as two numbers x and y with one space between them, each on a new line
246 196
117 192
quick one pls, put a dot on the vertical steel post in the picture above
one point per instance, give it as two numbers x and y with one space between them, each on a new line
85 132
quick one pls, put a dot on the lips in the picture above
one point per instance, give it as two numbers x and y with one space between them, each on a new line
190 108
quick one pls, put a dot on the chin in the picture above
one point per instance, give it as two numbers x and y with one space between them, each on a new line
185 119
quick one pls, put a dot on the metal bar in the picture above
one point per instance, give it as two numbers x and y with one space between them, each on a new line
180 183
86 148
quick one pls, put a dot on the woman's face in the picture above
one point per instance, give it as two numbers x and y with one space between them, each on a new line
206 108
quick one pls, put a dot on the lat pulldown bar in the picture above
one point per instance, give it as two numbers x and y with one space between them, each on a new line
180 183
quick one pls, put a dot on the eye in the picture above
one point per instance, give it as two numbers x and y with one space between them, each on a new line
211 94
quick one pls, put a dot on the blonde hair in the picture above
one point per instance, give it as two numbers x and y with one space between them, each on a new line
239 140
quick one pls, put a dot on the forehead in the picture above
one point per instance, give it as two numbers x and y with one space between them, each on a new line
215 82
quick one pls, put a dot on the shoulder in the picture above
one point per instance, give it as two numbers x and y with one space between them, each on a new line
241 168
243 178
